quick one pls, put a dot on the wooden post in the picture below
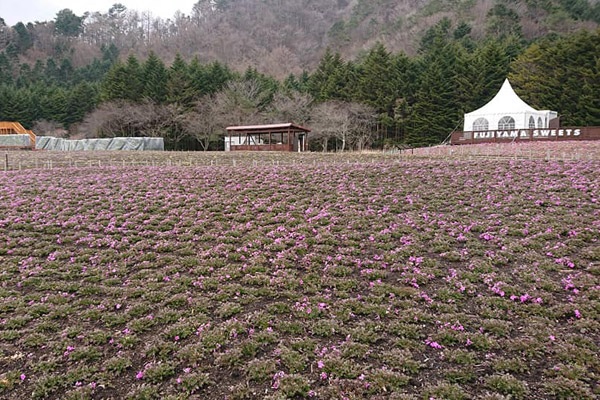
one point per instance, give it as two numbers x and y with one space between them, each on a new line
269 141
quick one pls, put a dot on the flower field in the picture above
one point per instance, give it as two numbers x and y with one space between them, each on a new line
419 279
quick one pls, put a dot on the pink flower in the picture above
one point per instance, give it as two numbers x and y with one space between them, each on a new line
551 337
577 314
320 364
435 345
323 375
23 376
140 375
176 338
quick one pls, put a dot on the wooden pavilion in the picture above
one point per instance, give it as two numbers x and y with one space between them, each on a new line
276 137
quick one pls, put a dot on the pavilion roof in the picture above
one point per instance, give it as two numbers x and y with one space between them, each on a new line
269 128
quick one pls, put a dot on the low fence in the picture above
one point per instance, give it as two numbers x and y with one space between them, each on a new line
527 135
262 147
55 160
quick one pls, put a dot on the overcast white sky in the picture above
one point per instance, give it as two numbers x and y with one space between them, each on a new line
25 11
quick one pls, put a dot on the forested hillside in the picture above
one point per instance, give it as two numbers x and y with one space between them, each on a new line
279 37
405 71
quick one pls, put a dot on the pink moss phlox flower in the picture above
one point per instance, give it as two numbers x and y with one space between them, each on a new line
276 378
435 345
140 375
23 376
577 314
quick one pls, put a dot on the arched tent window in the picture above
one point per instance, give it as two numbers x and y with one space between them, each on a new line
506 123
480 124
540 122
531 123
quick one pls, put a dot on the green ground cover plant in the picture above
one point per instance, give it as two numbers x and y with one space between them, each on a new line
444 279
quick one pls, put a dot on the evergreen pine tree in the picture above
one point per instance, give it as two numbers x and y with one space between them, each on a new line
178 82
55 105
82 99
198 80
18 106
435 112
154 79
377 83
134 84
5 69
218 76
114 84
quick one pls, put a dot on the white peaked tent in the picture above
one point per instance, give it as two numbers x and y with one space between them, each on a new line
507 111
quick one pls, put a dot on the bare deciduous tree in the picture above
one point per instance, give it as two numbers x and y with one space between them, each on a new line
49 128
350 123
205 122
293 107
243 103
127 119
363 120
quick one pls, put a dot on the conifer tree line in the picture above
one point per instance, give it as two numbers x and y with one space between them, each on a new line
386 98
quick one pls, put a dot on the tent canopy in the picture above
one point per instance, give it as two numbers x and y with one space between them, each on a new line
507 111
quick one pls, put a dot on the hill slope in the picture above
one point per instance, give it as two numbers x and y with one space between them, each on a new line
286 36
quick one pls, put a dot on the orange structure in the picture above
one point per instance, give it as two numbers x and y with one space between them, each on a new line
15 128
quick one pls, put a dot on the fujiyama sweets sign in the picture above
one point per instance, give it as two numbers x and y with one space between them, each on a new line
527 134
